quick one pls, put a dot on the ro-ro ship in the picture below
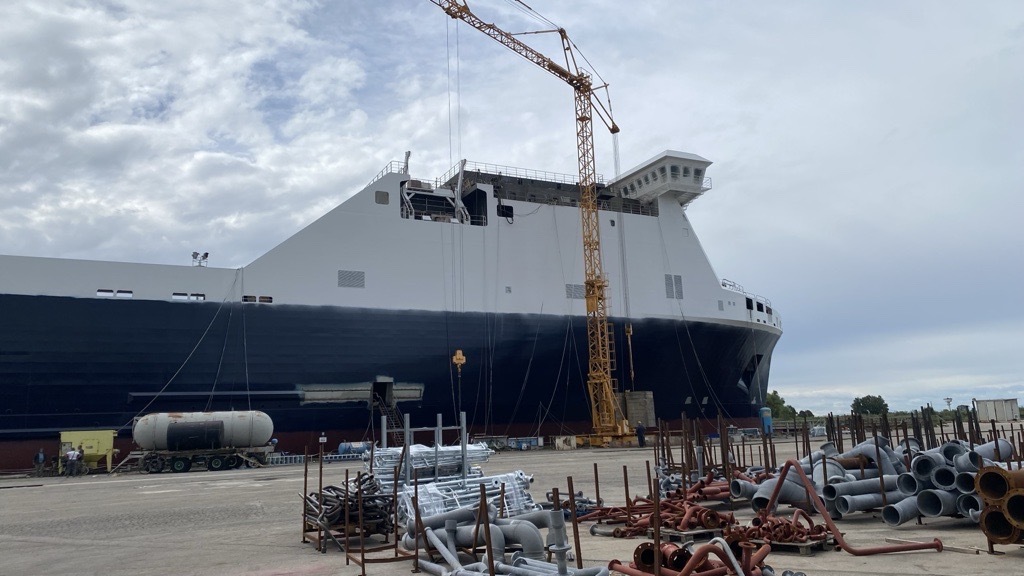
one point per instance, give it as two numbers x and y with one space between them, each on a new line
386 288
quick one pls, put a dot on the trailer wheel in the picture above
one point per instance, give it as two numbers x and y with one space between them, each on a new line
181 464
155 465
215 463
235 461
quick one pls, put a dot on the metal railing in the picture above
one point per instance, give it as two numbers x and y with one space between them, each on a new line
395 166
513 172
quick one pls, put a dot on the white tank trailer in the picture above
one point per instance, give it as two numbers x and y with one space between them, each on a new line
218 440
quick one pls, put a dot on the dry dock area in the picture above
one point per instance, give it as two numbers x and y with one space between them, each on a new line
248 521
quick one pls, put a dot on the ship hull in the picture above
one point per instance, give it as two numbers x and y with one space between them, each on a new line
68 363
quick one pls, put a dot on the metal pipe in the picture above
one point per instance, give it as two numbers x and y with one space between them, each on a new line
967 503
461 515
910 484
1014 507
901 512
989 450
442 549
526 535
788 493
850 503
450 529
944 477
858 487
951 450
969 461
997 528
933 503
463 442
435 569
819 505
994 483
923 464
965 482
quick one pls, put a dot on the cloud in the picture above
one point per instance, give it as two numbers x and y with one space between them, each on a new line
867 157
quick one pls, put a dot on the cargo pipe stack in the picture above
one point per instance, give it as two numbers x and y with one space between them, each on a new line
1002 495
942 483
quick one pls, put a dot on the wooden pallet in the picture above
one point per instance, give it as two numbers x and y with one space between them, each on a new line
668 535
803 548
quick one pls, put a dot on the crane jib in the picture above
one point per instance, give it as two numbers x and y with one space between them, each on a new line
606 415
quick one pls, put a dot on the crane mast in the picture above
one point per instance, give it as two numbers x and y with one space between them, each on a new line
600 385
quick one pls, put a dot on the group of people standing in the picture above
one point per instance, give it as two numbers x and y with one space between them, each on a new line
73 462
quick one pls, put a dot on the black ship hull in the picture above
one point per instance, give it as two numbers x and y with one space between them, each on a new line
72 363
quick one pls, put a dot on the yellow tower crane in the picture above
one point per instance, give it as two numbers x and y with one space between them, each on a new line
601 387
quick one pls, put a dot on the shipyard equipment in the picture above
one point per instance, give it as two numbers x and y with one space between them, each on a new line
96 446
218 440
605 415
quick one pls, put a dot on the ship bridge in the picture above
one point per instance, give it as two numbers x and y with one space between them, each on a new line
679 174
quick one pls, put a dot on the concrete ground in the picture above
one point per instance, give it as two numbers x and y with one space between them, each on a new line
248 522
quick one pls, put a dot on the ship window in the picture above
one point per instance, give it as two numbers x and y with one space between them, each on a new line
508 289
686 171
124 294
646 179
674 170
104 293
505 211
351 279
639 183
575 292
760 307
248 298
697 173
179 296
632 188
661 171
768 309
381 197
750 304
266 299
196 296
721 306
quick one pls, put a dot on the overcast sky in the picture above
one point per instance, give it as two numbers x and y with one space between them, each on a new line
869 156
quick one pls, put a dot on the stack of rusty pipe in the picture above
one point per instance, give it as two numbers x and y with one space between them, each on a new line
799 528
712 559
795 467
677 512
708 488
1002 494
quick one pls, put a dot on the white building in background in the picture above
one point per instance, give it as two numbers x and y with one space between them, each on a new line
1001 410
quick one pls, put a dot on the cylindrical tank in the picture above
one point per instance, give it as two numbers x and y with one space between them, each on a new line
202 430
353 447
766 420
